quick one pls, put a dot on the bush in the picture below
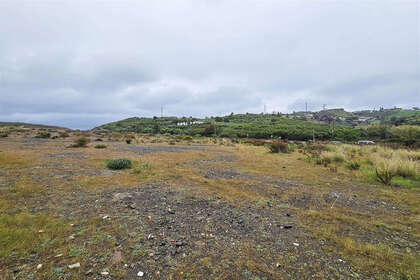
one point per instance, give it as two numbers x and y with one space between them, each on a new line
128 141
280 147
188 138
63 135
4 135
118 164
353 165
384 171
80 142
43 135
100 146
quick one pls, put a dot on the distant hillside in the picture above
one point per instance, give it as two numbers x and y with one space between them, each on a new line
29 125
236 125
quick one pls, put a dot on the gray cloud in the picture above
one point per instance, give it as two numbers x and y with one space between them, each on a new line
84 63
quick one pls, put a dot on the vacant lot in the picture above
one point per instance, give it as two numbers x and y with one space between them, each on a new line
197 211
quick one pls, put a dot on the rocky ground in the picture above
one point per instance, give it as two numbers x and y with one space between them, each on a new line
195 213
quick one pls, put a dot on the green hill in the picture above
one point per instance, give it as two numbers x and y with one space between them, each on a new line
239 125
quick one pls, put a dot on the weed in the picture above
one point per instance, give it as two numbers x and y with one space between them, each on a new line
384 171
353 165
141 168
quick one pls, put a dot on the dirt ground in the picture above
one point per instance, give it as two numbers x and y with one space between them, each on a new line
198 211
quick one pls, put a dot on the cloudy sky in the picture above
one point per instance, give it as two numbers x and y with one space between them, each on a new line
84 63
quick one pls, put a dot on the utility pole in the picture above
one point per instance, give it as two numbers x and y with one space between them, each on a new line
313 135
306 107
265 108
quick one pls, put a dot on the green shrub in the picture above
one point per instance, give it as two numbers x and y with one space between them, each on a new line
128 141
43 135
353 165
118 164
80 142
100 146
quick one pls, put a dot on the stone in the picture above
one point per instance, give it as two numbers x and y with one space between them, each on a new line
122 196
39 266
140 274
75 265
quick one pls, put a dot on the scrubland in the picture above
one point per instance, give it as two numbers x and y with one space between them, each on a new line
180 207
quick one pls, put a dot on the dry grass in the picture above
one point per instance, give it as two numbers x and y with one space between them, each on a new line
17 159
376 258
340 227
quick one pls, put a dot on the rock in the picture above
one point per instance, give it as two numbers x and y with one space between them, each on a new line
90 271
117 257
59 255
170 211
122 196
104 273
105 217
296 244
150 236
140 274
39 266
132 206
75 265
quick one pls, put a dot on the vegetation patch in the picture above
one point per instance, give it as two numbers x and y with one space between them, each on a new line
118 164
80 142
101 146
280 147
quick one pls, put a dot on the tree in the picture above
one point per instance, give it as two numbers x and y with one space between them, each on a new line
209 129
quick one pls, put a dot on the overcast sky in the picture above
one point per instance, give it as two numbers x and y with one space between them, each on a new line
84 63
